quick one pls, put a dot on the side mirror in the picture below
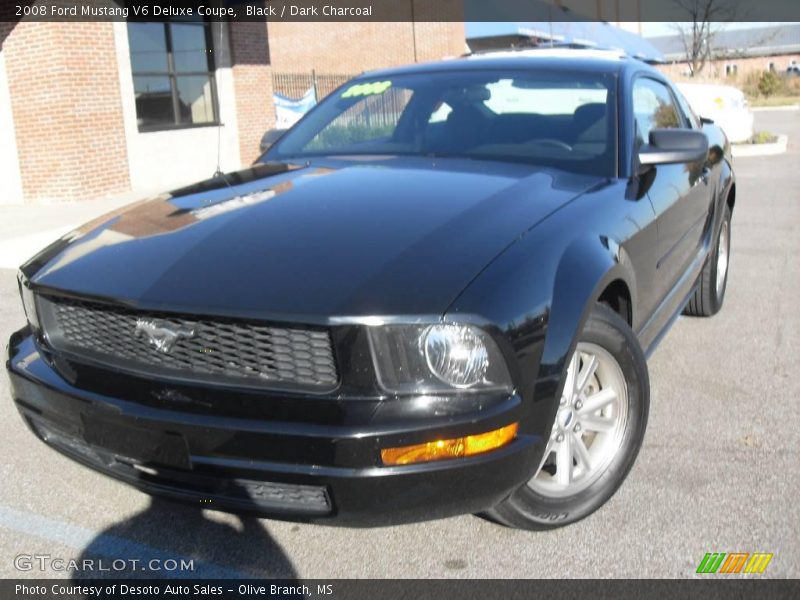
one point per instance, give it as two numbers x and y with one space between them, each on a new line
269 139
668 146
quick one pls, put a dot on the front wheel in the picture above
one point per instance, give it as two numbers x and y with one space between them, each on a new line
597 432
710 293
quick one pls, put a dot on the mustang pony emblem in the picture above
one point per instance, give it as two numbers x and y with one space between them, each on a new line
161 334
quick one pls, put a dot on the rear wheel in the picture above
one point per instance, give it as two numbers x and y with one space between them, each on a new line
597 432
707 299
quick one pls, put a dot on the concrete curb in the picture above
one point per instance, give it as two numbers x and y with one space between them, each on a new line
742 150
770 108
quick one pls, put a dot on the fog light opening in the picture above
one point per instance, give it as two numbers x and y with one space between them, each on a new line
461 447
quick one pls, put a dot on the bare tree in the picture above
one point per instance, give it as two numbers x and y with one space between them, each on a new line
707 17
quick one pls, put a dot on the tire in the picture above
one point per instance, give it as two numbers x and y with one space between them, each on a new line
546 502
710 293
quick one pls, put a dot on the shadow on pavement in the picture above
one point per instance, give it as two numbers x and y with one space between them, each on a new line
152 544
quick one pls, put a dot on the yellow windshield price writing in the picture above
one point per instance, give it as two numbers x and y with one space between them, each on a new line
367 89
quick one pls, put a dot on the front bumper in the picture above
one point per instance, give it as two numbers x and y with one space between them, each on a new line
305 459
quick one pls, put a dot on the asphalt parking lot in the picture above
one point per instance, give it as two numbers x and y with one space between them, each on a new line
719 470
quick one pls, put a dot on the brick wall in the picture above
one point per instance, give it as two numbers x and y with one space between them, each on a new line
6 27
252 81
714 71
67 110
65 87
439 29
355 47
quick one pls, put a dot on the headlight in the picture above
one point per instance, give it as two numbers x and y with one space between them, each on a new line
437 358
455 354
28 301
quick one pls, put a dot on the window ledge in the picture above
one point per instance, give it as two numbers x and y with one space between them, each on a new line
161 128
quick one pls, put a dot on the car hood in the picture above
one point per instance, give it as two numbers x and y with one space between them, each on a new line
364 237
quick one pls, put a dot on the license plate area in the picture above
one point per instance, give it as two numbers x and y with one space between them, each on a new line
136 444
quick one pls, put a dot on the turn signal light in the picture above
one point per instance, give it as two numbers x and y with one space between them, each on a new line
455 448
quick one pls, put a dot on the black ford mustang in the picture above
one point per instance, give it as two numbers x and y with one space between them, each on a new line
433 295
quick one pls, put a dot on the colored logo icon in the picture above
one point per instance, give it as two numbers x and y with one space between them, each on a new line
734 562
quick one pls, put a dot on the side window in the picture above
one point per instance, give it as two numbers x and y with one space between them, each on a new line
688 111
439 115
653 108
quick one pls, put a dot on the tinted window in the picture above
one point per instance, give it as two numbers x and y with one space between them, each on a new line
653 108
372 119
688 111
148 46
565 119
173 78
508 97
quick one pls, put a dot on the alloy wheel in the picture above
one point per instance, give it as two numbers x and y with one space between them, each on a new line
722 258
589 425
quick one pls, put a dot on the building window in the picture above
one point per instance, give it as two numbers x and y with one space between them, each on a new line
731 70
173 74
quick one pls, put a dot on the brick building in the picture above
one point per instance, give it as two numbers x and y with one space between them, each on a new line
306 46
90 110
735 53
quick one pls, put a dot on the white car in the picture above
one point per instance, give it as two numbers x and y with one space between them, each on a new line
723 104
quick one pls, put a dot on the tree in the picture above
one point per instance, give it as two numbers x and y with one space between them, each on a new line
698 36
768 83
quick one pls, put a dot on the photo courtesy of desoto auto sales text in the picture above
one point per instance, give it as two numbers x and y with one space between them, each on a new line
387 299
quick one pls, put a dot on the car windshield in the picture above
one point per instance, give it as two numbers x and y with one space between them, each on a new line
559 119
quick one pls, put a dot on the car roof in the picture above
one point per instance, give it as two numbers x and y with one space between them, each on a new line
602 61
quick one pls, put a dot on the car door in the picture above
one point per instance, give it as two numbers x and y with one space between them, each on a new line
702 174
678 193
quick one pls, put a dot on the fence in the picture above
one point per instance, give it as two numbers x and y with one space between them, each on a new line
294 85
369 117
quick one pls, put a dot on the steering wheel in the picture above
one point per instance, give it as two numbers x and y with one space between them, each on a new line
553 142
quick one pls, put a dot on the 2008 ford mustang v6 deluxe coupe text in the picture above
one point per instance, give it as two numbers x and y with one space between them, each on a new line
433 295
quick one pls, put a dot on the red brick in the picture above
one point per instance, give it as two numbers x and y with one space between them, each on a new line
65 101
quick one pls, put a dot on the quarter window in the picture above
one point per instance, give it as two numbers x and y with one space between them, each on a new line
653 108
173 74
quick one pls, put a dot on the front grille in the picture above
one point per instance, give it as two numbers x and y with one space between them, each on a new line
192 347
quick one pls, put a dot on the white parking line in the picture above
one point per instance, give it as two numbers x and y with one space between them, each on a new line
107 545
